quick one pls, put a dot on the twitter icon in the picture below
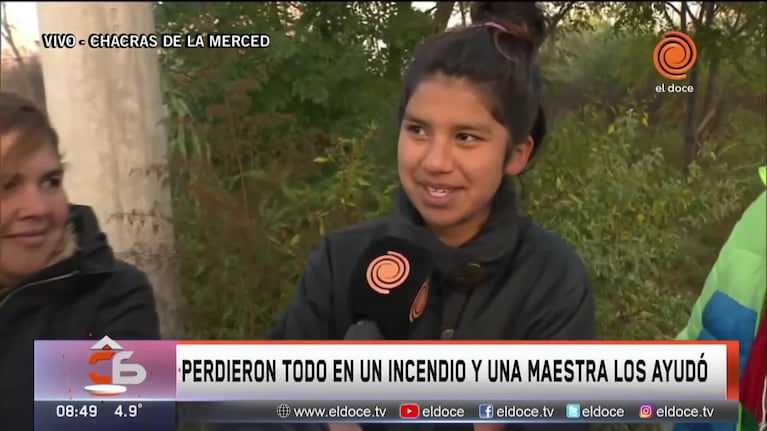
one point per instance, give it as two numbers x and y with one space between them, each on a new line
573 411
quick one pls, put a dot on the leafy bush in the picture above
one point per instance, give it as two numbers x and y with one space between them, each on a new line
242 251
630 215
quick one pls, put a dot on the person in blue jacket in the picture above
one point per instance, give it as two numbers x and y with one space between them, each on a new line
731 306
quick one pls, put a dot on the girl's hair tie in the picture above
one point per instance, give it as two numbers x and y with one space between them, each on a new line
497 26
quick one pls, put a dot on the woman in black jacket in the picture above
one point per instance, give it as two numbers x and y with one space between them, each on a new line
58 276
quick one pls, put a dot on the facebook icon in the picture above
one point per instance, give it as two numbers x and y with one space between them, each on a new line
486 411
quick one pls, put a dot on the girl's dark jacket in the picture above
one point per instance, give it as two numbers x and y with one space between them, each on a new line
513 281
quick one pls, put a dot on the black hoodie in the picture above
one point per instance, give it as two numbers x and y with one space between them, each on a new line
513 281
86 296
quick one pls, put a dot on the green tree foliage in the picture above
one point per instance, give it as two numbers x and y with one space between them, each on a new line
275 147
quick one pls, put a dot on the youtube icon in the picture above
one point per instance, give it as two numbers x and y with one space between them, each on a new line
409 411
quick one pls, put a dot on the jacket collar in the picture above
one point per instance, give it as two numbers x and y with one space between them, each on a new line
495 241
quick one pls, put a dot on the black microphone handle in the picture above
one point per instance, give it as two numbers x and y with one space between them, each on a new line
364 330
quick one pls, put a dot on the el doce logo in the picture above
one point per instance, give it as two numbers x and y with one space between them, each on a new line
675 55
122 373
390 271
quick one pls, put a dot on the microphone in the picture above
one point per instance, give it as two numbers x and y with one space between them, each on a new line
364 330
389 289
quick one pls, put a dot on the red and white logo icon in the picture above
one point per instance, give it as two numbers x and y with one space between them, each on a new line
122 372
409 411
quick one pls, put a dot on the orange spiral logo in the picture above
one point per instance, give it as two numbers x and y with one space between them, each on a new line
387 272
675 55
419 304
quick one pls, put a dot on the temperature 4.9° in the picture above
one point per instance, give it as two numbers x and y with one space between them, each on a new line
128 411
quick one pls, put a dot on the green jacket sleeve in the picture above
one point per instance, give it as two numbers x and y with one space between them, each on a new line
739 267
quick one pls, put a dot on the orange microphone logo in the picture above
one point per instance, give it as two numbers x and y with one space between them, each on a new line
419 303
388 272
675 55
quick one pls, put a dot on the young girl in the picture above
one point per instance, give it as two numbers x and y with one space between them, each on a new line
58 276
470 117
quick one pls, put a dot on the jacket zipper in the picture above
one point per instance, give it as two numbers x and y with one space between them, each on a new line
763 424
35 283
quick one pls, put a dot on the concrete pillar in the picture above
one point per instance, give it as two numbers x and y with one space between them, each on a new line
106 105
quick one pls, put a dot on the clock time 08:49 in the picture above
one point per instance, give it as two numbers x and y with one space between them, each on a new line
72 411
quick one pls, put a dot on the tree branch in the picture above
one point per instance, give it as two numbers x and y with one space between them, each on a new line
559 15
688 11
747 23
7 34
669 19
704 9
737 17
443 13
674 8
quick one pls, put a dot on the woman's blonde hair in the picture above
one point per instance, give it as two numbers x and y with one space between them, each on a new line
23 116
